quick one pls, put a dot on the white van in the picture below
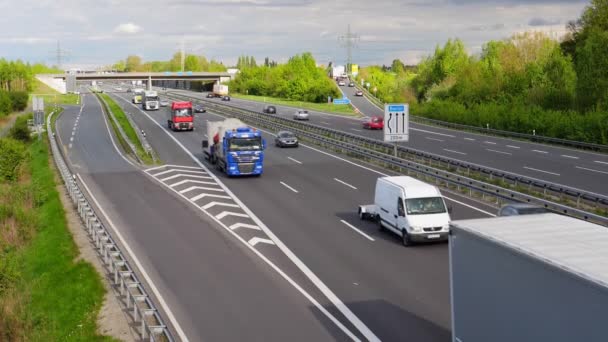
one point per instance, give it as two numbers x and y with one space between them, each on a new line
412 209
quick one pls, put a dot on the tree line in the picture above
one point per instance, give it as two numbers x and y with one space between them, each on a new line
191 63
524 83
16 80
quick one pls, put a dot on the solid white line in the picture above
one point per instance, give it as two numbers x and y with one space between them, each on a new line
445 149
358 230
244 225
592 170
178 170
490 142
288 187
469 139
487 149
601 162
434 139
183 175
138 264
221 204
357 130
538 151
511 146
254 241
571 157
343 182
295 161
431 132
469 206
229 213
533 169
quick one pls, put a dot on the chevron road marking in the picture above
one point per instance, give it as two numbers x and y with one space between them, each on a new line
200 188
244 225
191 181
178 170
254 241
212 204
183 175
229 213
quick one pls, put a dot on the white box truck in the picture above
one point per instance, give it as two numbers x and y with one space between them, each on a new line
220 90
414 210
541 277
150 100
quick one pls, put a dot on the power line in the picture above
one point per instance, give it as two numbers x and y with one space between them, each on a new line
349 41
59 55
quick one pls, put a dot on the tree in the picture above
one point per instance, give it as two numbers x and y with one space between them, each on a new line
191 63
133 63
592 70
397 66
119 66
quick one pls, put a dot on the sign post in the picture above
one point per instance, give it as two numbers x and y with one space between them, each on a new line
38 107
396 123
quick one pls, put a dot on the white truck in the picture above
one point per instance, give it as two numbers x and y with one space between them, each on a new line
414 210
220 90
150 100
541 277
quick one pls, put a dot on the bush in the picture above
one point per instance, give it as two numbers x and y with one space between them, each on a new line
6 105
12 154
19 100
20 130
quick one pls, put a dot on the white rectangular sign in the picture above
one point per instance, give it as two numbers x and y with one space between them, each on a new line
396 122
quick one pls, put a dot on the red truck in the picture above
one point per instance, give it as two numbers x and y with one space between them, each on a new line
181 117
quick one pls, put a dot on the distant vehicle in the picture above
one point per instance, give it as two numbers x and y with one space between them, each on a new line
220 90
150 100
234 147
199 109
301 114
374 122
286 139
210 95
351 84
226 98
270 109
164 103
118 88
341 83
129 90
359 93
409 208
513 209
181 117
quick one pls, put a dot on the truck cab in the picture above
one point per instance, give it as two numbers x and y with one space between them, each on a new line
181 116
150 100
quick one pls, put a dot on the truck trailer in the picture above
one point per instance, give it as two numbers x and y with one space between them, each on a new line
234 148
534 278
181 117
220 90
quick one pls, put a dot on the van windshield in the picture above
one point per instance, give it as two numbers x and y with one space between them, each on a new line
420 206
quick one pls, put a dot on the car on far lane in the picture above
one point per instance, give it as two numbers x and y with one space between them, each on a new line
301 114
513 209
268 109
359 93
164 103
341 83
210 95
129 90
351 84
286 139
374 122
199 109
226 98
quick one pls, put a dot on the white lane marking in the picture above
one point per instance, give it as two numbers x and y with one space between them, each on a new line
357 130
190 181
495 151
72 138
221 204
357 230
288 187
244 225
325 123
171 165
434 139
254 241
469 139
431 132
214 196
343 182
490 142
139 265
592 170
295 161
511 146
445 149
601 162
183 175
567 156
73 132
199 188
537 170
538 151
331 296
230 213
178 170
70 145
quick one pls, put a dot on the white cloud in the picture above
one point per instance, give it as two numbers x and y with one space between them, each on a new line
128 28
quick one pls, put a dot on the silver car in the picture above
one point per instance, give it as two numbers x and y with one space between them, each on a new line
286 139
301 114
164 103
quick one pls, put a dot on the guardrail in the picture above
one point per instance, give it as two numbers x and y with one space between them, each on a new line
380 151
490 131
139 305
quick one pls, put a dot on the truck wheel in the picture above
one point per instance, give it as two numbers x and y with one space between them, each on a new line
169 124
405 239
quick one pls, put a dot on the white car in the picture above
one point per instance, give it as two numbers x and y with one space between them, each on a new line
301 114
341 83
164 103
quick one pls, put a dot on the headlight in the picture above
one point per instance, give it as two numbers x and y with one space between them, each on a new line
446 227
416 229
234 154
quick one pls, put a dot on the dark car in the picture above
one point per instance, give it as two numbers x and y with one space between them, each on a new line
513 209
351 84
129 90
286 139
226 98
359 93
199 109
270 109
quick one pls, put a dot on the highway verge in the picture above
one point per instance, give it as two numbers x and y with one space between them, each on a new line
46 293
345 110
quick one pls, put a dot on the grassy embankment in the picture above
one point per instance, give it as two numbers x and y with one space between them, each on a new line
345 110
46 294
124 123
52 97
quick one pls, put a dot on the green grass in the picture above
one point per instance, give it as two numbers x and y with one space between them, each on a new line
345 110
121 117
52 97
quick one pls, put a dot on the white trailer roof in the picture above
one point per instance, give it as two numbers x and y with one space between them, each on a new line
574 245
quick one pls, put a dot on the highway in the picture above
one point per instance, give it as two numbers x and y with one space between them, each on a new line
575 168
307 198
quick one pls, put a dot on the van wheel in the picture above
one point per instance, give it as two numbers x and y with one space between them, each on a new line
380 226
405 239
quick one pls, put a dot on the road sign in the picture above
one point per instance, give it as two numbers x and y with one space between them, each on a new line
342 101
396 122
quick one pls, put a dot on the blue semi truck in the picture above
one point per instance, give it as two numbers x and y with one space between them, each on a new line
234 148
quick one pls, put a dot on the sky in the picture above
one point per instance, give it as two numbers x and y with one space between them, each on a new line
100 32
